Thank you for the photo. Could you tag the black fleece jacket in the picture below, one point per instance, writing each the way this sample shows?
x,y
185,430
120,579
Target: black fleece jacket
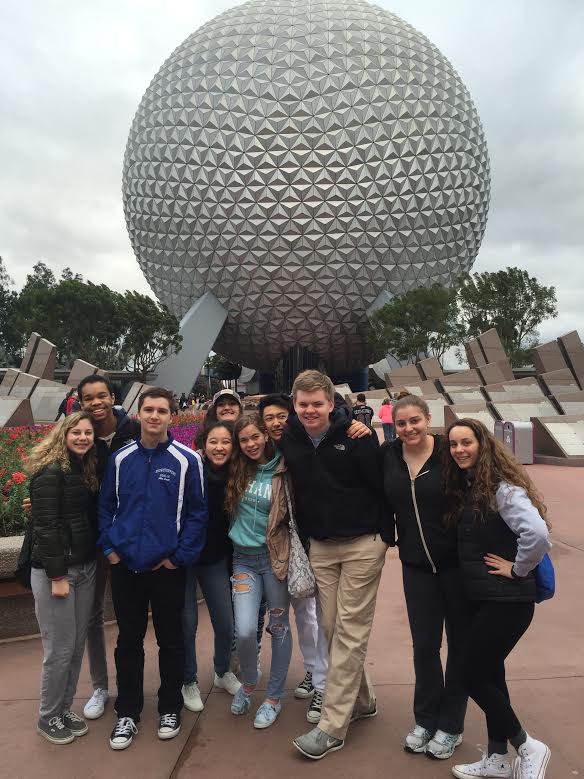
x,y
337,486
218,545
127,430
64,517
424,541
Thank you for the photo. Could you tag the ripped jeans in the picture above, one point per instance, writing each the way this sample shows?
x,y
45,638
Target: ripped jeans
x,y
252,578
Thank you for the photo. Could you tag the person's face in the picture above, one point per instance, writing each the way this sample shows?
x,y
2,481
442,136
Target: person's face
x,y
79,439
97,401
275,418
252,443
411,425
155,416
228,409
219,446
464,447
313,409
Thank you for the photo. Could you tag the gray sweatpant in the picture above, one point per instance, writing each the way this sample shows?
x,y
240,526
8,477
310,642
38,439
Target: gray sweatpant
x,y
63,623
95,634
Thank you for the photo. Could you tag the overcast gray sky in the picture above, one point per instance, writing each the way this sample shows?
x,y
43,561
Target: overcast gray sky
x,y
72,74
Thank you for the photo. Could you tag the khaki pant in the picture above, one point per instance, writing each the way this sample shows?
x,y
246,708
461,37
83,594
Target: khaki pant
x,y
347,574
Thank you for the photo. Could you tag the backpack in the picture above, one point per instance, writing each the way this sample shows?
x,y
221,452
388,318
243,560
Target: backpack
x,y
545,580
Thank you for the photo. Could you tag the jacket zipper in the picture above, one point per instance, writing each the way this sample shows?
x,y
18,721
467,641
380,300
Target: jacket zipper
x,y
147,481
424,544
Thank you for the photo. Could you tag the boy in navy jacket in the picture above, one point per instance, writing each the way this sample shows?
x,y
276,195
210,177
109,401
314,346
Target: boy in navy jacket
x,y
152,521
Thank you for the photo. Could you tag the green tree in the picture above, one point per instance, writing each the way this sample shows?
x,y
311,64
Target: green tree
x,y
11,340
511,301
222,368
420,323
152,334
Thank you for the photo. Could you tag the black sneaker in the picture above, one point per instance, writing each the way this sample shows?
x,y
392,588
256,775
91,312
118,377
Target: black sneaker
x,y
55,731
75,723
315,708
168,725
123,733
305,688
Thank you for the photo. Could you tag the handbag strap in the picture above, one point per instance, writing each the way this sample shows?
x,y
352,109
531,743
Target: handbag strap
x,y
292,521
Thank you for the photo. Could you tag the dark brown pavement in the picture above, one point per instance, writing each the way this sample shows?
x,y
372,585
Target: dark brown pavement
x,y
545,672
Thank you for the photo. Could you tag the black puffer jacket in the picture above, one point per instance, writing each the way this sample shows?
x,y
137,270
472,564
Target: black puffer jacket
x,y
424,540
481,535
64,519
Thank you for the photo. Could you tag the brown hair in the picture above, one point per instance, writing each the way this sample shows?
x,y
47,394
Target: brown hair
x,y
311,381
158,392
408,399
53,449
495,464
241,469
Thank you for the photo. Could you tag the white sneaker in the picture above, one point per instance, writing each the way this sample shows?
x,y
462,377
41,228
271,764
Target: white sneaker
x,y
534,757
442,745
417,739
192,697
95,706
495,766
228,682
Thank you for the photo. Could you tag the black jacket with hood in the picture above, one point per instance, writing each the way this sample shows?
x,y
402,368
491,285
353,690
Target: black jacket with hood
x,y
337,486
127,430
418,504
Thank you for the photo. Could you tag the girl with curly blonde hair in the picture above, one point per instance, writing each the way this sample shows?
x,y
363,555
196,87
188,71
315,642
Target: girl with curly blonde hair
x,y
63,491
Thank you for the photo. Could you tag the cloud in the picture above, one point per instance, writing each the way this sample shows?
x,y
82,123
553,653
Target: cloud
x,y
73,75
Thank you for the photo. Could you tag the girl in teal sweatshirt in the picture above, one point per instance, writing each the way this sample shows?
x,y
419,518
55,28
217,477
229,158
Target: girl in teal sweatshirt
x,y
258,507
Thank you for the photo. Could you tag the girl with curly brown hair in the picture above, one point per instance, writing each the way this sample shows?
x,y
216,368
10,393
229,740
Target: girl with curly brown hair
x,y
502,536
257,504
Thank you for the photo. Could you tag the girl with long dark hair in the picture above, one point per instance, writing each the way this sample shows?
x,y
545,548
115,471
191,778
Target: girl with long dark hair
x,y
503,534
257,505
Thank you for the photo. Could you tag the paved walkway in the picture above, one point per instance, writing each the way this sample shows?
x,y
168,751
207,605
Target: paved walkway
x,y
546,674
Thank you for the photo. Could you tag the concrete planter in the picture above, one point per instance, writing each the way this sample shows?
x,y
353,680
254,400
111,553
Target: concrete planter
x,y
17,617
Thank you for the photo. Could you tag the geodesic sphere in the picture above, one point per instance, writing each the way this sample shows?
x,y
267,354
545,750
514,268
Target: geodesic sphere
x,y
297,158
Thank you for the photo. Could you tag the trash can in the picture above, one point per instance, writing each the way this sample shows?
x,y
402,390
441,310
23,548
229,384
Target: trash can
x,y
498,432
518,436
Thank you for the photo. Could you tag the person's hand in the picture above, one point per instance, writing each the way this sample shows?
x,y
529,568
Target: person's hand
x,y
26,505
60,588
499,566
113,558
358,430
165,564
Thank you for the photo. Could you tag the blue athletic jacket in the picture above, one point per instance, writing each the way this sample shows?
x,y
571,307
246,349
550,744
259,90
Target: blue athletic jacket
x,y
153,505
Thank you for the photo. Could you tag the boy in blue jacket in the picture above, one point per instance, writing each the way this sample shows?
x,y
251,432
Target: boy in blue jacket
x,y
152,521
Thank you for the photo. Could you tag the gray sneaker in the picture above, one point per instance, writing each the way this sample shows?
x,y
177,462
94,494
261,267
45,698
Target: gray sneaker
x,y
316,744
54,731
442,745
417,739
75,723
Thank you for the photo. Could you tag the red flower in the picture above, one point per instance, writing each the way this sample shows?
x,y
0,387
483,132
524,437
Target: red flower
x,y
19,477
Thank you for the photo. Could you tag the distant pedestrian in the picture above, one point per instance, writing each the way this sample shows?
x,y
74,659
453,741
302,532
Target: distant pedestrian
x,y
386,416
362,412
62,410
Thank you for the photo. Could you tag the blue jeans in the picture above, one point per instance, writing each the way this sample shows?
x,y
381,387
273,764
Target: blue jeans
x,y
387,431
252,578
214,581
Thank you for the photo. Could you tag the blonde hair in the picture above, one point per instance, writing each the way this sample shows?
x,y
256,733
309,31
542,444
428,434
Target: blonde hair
x,y
53,449
311,381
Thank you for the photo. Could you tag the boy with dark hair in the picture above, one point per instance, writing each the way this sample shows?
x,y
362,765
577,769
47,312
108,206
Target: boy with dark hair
x,y
337,492
152,519
113,430
361,411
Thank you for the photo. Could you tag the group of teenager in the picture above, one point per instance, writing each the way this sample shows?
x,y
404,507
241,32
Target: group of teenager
x,y
112,493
